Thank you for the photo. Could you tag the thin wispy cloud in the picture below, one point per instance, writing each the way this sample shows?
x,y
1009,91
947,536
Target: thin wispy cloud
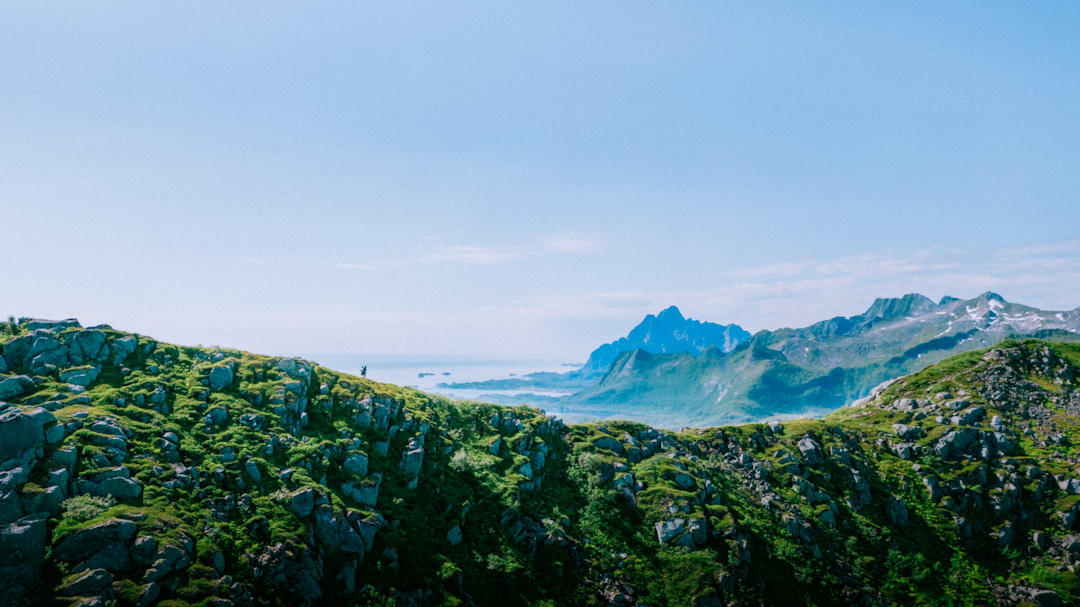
x,y
799,293
486,256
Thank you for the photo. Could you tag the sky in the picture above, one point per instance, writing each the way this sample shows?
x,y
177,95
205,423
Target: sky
x,y
528,179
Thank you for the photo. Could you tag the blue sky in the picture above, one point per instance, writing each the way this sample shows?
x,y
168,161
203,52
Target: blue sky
x,y
531,179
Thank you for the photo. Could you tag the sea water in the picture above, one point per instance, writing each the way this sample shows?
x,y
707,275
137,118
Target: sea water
x,y
427,372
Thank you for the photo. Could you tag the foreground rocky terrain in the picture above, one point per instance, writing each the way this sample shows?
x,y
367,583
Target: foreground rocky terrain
x,y
134,472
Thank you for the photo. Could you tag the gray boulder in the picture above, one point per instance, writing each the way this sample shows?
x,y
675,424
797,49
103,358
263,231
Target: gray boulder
x,y
896,512
46,354
336,533
412,461
87,583
955,442
46,501
88,347
124,347
366,494
83,544
252,469
109,427
168,559
144,549
22,554
15,386
302,502
11,507
55,434
1046,598
969,416
454,535
697,531
606,442
667,530
34,324
19,431
295,368
80,377
811,452
908,433
904,451
220,376
122,488
15,351
216,416
357,464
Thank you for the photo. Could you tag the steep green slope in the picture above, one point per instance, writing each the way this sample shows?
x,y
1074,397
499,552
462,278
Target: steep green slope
x,y
144,473
792,372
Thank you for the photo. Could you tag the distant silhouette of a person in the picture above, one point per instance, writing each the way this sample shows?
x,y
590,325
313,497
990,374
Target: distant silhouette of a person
x,y
363,371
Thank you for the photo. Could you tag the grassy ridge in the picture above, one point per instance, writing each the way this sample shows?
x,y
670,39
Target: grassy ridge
x,y
510,507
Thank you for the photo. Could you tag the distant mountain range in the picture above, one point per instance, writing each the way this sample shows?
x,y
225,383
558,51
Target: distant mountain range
x,y
669,332
794,372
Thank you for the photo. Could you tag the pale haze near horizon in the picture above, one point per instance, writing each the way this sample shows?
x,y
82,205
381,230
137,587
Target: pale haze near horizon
x,y
528,181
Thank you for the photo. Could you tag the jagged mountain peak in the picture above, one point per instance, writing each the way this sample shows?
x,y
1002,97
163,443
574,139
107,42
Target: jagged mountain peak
x,y
909,305
668,332
671,313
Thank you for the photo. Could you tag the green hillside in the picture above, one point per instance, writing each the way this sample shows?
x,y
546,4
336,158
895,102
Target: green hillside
x,y
134,472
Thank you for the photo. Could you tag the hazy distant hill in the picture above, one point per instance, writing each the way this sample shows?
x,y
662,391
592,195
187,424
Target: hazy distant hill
x,y
816,368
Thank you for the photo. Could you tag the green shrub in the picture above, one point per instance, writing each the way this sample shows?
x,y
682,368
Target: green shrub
x,y
471,461
82,508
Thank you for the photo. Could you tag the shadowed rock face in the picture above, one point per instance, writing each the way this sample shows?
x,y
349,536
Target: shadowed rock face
x,y
292,484
22,555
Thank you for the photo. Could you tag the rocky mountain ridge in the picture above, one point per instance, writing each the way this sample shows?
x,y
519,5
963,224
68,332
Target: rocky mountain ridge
x,y
139,473
812,370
